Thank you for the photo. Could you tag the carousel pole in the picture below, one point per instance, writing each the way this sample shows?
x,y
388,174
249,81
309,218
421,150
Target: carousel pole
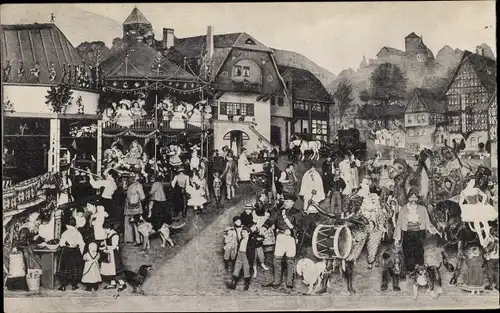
x,y
202,126
156,126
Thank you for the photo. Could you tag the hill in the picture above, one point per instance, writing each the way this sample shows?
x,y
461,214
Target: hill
x,y
294,59
72,21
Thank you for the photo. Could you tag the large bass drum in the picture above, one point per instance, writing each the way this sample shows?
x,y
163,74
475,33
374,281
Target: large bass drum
x,y
332,241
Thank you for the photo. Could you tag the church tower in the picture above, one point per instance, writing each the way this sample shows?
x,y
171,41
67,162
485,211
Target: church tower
x,y
137,28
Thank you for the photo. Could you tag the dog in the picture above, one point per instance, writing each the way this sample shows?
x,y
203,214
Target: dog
x,y
427,276
136,280
391,261
146,230
311,272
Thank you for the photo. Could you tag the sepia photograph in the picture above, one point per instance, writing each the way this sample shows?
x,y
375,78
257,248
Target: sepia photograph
x,y
245,156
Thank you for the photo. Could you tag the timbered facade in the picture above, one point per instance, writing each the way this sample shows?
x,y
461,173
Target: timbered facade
x,y
310,103
492,118
469,93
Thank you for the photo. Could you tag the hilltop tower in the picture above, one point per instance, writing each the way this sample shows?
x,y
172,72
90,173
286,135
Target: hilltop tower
x,y
137,28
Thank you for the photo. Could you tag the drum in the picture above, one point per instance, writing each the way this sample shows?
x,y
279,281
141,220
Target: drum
x,y
332,241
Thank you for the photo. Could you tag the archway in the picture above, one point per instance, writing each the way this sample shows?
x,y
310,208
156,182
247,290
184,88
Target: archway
x,y
236,138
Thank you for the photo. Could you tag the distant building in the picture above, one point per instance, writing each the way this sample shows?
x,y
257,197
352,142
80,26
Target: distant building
x,y
423,113
415,52
311,103
468,96
492,129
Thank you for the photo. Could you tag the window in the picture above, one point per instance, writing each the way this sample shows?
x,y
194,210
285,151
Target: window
x,y
301,126
237,70
409,119
273,101
246,71
480,139
473,142
421,132
423,118
281,101
411,133
233,108
300,105
418,118
319,127
317,107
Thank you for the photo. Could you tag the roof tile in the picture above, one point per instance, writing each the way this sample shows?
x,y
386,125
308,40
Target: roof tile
x,y
305,85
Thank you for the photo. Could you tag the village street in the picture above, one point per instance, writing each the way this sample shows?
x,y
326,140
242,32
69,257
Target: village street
x,y
192,277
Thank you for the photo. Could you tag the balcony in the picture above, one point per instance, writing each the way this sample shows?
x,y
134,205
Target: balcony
x,y
147,124
455,128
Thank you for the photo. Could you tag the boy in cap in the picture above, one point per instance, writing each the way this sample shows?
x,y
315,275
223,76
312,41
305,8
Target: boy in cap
x,y
286,221
246,216
244,257
231,237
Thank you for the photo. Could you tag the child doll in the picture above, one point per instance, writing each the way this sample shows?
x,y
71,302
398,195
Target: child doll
x,y
197,199
91,272
217,184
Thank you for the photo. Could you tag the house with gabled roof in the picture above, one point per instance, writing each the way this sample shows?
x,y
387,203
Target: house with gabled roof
x,y
468,96
422,115
311,104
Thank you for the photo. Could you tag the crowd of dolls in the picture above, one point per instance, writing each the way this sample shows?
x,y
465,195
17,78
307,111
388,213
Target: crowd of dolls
x,y
126,112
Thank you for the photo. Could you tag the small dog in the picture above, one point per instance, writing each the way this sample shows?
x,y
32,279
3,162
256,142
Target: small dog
x,y
136,280
427,276
146,230
311,272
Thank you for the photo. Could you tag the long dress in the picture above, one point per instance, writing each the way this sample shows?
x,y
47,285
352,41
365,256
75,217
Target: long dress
x,y
243,169
114,265
229,172
174,159
124,117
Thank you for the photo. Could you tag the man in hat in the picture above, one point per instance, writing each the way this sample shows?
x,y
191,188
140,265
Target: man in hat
x,y
217,164
273,186
246,216
337,185
232,235
327,169
288,179
286,221
179,184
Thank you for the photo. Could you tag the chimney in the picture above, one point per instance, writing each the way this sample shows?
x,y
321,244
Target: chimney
x,y
479,50
168,38
210,42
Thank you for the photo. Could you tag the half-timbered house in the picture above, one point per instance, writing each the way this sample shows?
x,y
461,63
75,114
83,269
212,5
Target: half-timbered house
x,y
467,98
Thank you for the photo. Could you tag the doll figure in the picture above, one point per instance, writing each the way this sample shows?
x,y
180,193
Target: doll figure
x,y
197,199
178,118
194,162
137,111
195,118
91,272
134,154
175,152
123,116
168,109
189,107
207,111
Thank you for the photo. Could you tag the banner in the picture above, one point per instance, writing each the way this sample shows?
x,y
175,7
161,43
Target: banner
x,y
26,194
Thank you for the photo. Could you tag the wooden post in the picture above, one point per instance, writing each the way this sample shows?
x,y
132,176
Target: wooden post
x,y
55,145
99,148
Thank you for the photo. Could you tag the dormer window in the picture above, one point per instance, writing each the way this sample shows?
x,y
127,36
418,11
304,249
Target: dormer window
x,y
238,71
281,101
249,41
246,71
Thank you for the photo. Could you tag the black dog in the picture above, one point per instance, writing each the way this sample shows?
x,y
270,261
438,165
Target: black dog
x,y
391,262
137,279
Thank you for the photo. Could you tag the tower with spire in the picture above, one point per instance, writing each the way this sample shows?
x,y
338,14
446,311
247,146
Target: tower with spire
x,y
136,28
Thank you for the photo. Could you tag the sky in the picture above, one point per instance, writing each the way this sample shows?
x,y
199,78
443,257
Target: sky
x,y
334,35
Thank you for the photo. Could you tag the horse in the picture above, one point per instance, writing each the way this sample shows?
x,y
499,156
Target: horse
x,y
314,146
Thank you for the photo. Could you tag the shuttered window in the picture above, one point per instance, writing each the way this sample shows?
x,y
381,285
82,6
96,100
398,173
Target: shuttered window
x,y
235,108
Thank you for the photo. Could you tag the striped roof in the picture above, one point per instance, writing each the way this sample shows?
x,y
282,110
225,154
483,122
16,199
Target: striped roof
x,y
138,61
31,43
136,17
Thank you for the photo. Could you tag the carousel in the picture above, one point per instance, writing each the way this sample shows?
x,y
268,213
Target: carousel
x,y
154,111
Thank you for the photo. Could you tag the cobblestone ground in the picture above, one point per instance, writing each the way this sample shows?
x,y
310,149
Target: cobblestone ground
x,y
191,277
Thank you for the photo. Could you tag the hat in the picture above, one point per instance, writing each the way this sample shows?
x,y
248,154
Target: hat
x,y
249,205
288,196
180,169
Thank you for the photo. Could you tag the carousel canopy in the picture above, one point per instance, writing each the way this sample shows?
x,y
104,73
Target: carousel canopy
x,y
140,61
28,44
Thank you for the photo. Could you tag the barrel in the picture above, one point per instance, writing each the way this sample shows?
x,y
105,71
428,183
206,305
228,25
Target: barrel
x,y
332,241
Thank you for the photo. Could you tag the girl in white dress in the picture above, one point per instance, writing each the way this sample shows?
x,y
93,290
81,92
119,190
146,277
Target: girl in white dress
x,y
123,115
91,271
197,193
243,169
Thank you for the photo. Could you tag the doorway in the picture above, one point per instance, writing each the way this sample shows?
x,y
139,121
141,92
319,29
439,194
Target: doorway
x,y
276,136
236,140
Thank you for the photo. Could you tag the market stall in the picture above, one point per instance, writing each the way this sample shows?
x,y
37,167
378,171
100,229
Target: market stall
x,y
152,109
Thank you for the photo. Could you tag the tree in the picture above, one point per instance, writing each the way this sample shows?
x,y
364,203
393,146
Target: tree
x,y
93,52
343,98
388,83
117,44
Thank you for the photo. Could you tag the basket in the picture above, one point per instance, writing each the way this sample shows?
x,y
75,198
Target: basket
x,y
33,279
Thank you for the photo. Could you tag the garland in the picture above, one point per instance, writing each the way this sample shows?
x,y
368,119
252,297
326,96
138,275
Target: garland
x,y
206,134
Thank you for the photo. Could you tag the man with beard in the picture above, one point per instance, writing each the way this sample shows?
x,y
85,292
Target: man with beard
x,y
286,221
